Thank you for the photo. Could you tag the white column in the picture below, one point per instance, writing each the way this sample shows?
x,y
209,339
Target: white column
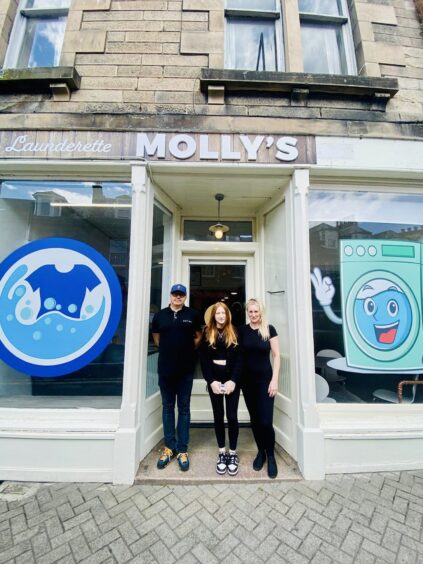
x,y
309,434
129,435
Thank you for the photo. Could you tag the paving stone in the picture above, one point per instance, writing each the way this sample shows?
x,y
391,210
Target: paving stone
x,y
363,519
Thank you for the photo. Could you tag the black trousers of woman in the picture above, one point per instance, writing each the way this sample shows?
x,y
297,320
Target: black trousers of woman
x,y
260,408
219,403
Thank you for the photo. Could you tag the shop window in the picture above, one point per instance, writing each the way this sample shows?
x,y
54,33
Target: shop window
x,y
198,230
160,284
37,34
367,294
326,37
32,211
254,35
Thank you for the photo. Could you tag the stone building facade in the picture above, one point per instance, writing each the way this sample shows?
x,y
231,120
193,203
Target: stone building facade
x,y
147,101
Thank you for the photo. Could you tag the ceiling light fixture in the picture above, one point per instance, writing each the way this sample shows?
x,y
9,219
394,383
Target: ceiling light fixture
x,y
218,229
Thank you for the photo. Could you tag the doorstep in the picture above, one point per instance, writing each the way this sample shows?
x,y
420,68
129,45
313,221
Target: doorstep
x,y
203,456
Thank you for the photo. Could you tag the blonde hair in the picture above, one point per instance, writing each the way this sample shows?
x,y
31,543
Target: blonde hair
x,y
212,332
264,326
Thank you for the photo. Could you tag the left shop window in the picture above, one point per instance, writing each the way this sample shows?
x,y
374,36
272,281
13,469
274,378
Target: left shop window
x,y
366,252
37,35
90,218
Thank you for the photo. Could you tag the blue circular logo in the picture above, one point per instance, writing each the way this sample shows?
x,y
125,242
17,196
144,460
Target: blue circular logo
x,y
60,305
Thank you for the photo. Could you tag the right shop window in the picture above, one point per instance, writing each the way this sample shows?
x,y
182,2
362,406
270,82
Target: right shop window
x,y
366,252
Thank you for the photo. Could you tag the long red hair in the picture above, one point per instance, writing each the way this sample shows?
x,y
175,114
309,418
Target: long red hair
x,y
212,332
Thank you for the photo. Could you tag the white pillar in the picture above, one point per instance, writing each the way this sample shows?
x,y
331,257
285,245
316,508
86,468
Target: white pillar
x,y
129,435
310,438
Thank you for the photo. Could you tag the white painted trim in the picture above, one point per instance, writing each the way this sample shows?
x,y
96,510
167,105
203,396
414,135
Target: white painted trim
x,y
309,434
56,475
129,437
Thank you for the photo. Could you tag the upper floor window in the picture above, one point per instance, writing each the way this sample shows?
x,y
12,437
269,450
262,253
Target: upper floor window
x,y
254,35
326,37
37,35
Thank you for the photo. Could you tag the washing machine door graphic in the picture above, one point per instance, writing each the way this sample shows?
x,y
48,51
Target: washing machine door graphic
x,y
382,305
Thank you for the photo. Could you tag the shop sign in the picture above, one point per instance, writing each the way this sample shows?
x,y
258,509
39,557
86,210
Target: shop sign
x,y
60,305
153,146
225,147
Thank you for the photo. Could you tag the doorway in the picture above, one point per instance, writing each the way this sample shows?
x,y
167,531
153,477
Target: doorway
x,y
209,280
211,283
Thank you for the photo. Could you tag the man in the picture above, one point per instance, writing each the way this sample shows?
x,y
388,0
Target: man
x,y
177,332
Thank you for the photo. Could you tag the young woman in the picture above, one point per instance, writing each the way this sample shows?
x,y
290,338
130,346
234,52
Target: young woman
x,y
260,382
221,365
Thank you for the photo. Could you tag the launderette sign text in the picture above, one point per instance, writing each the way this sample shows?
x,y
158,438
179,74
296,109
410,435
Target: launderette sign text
x,y
159,146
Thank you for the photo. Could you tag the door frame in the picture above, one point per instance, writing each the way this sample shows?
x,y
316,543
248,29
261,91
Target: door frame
x,y
226,253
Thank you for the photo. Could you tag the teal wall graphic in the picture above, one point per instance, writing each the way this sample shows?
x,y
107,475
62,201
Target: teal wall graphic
x,y
381,297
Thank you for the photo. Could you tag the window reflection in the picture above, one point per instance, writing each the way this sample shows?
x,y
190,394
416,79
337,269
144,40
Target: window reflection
x,y
323,50
371,221
32,210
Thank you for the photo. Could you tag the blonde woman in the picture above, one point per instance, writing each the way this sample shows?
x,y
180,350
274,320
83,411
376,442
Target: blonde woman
x,y
260,381
221,365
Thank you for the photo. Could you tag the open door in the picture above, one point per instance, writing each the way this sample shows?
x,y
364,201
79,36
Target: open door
x,y
211,279
275,282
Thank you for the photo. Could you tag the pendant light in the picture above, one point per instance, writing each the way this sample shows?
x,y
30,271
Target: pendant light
x,y
218,229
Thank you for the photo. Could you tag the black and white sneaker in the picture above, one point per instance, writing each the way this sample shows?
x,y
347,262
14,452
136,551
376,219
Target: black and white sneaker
x,y
221,465
233,464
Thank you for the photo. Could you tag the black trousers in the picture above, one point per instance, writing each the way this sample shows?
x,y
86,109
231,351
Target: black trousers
x,y
260,408
219,402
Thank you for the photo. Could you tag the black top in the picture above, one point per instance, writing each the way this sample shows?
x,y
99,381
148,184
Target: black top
x,y
232,355
177,330
256,351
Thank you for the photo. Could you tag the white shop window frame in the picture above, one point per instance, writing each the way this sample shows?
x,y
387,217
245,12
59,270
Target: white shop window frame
x,y
248,14
19,29
59,422
344,22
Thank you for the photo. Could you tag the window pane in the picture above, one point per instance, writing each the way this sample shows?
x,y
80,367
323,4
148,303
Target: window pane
x,y
251,4
34,210
323,50
46,4
327,7
251,45
195,230
160,265
369,244
42,42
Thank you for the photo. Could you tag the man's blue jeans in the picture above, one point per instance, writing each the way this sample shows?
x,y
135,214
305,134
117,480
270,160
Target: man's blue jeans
x,y
172,391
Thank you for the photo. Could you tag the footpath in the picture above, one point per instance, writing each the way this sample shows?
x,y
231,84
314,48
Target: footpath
x,y
360,519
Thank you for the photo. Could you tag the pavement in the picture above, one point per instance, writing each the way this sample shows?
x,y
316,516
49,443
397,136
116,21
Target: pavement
x,y
360,519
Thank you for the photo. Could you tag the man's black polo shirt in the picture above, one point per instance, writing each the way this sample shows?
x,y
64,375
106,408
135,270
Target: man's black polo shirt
x,y
177,355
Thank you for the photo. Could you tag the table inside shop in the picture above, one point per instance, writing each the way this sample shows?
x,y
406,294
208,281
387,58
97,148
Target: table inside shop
x,y
341,365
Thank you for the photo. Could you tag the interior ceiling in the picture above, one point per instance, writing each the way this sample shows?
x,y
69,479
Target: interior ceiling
x,y
245,191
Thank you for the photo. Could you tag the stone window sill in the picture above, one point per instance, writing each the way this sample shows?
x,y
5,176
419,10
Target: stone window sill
x,y
216,82
59,81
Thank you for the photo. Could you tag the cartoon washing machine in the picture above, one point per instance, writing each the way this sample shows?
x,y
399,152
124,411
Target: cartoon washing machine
x,y
381,288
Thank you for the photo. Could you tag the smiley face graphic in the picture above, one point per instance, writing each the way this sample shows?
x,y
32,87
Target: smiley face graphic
x,y
383,314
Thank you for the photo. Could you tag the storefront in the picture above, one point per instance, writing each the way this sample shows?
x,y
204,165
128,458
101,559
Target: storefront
x,y
144,202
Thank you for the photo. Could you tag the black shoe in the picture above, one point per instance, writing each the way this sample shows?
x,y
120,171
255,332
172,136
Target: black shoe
x,y
233,464
259,460
272,467
222,463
